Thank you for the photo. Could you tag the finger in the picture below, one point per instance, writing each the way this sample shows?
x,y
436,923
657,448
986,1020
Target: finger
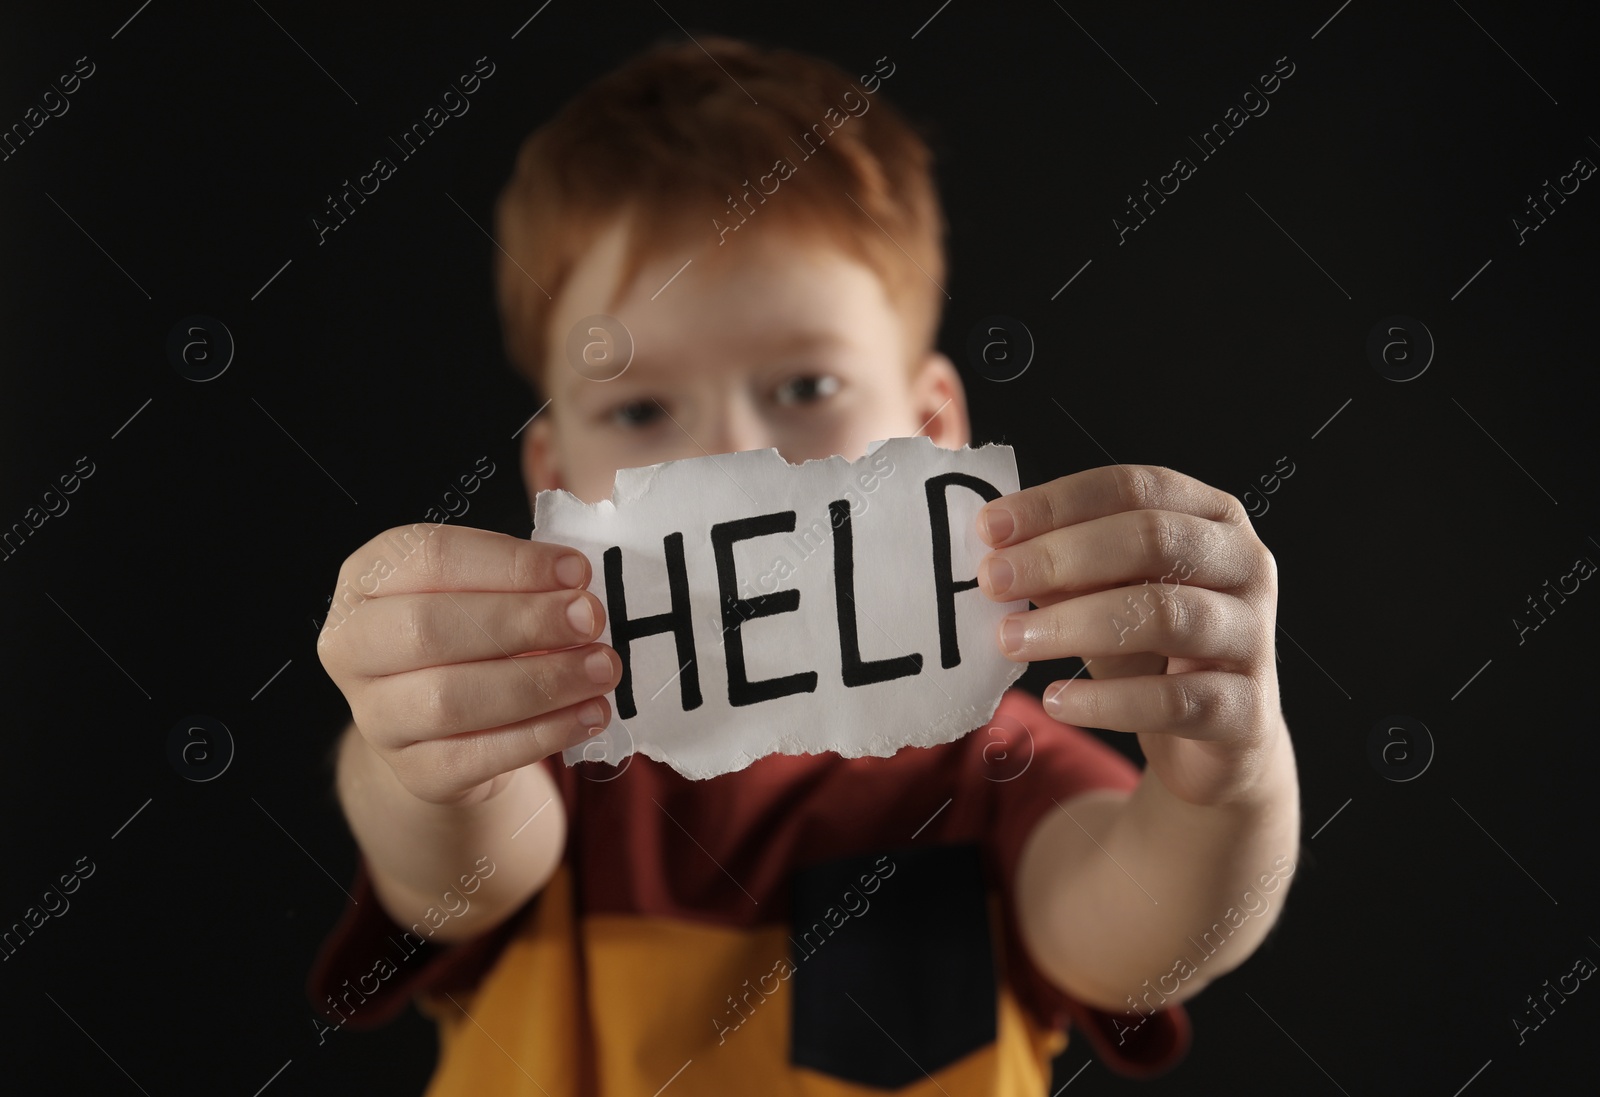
x,y
437,701
1154,546
1191,623
429,557
412,631
436,769
1201,704
1099,492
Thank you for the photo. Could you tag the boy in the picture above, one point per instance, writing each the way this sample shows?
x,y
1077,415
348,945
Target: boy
x,y
929,922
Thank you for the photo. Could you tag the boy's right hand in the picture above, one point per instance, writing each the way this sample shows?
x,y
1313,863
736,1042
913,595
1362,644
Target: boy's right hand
x,y
450,662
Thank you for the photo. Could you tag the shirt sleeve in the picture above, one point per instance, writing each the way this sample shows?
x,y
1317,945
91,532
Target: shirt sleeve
x,y
1043,761
369,966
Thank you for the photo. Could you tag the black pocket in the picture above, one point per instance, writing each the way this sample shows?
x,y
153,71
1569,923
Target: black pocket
x,y
893,982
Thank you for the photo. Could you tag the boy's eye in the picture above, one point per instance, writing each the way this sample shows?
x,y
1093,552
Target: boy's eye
x,y
635,413
807,389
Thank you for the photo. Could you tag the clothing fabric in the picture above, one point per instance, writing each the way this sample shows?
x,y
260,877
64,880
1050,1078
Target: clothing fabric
x,y
810,925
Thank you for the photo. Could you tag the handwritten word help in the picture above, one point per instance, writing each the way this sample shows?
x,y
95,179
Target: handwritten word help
x,y
880,640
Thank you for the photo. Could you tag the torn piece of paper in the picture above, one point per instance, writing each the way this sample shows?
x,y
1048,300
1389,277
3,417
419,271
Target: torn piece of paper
x,y
763,607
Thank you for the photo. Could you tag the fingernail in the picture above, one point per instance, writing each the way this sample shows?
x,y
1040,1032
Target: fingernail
x,y
1052,696
1000,574
997,524
581,614
589,715
1011,633
570,569
598,667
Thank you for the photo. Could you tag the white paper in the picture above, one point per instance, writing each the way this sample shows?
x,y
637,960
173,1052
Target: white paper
x,y
884,516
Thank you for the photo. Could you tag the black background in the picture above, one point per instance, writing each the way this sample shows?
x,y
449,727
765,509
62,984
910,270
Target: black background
x,y
190,568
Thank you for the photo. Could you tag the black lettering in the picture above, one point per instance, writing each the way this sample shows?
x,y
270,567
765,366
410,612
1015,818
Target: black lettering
x,y
678,620
944,584
736,610
856,672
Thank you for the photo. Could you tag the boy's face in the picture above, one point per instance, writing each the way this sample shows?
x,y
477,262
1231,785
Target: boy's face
x,y
781,345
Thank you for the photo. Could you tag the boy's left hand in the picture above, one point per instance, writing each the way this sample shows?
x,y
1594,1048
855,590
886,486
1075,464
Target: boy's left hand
x,y
1160,584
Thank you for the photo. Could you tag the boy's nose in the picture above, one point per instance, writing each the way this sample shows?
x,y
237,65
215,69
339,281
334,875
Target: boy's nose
x,y
735,425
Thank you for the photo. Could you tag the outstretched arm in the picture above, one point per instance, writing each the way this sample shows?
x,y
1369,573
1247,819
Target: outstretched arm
x,y
1159,583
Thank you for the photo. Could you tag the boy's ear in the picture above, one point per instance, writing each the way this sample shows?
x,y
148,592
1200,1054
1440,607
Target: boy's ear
x,y
539,471
940,400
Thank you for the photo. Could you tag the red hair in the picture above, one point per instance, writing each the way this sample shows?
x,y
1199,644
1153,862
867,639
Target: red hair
x,y
672,142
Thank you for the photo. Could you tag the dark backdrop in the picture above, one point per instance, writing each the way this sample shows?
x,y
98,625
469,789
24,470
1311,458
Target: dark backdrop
x,y
1227,334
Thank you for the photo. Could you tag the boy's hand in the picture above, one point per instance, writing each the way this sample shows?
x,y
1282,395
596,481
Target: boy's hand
x,y
448,658
1159,583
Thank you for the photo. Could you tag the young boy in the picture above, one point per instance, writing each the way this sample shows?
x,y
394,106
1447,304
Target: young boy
x,y
719,248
